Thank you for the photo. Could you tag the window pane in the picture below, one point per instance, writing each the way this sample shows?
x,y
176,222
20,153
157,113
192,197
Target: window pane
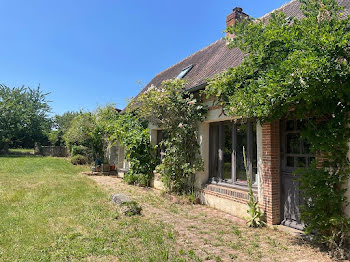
x,y
228,151
214,151
290,161
241,141
306,147
290,125
293,143
301,161
255,156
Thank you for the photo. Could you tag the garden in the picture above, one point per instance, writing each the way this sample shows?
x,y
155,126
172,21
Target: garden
x,y
297,69
51,212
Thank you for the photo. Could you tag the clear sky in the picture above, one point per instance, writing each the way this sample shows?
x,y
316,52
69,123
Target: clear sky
x,y
92,52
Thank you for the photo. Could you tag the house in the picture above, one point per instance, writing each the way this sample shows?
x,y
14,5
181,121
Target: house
x,y
274,150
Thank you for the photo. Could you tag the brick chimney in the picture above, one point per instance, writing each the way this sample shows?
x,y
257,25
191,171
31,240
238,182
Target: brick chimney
x,y
235,17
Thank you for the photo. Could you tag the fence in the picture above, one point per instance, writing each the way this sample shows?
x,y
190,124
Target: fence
x,y
56,151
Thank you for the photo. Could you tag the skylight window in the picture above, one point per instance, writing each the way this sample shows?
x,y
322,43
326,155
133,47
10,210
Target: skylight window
x,y
184,72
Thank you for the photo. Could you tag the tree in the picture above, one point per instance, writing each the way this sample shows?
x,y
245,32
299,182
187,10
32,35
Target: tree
x,y
63,122
23,116
300,69
60,125
90,130
79,133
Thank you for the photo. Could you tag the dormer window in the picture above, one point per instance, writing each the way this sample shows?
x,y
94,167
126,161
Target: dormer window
x,y
184,72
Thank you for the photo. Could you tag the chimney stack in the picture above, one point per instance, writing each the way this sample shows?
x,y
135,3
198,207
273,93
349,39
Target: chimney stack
x,y
235,17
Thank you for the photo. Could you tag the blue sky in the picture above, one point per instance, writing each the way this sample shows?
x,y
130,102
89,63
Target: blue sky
x,y
88,53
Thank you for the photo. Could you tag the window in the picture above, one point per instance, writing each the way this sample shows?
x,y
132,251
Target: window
x,y
296,150
184,72
227,140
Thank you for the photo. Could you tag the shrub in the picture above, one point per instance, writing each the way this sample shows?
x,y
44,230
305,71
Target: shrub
x,y
80,150
137,179
133,134
79,160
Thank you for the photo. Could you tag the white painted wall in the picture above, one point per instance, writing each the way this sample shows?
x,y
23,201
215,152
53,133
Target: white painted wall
x,y
214,115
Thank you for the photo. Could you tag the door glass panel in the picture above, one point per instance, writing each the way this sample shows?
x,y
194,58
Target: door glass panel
x,y
290,161
301,162
306,147
228,151
293,143
241,141
290,125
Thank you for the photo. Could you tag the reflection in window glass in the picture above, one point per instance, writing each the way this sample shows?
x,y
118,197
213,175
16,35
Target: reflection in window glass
x,y
290,125
293,143
290,161
301,161
241,141
255,156
306,147
215,150
228,151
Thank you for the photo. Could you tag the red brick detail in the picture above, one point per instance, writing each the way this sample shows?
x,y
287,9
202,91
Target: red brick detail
x,y
236,195
271,172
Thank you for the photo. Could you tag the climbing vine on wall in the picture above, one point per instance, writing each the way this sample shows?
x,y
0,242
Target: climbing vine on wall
x,y
299,68
178,113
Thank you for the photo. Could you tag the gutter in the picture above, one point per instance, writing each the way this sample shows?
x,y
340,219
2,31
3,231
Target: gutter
x,y
197,88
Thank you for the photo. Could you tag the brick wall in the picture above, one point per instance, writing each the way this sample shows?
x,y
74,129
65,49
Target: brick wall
x,y
271,172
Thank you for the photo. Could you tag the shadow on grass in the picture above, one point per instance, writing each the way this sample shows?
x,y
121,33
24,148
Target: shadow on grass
x,y
338,255
17,154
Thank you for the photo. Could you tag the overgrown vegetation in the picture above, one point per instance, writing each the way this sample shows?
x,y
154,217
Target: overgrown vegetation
x,y
60,125
133,135
299,68
87,133
177,113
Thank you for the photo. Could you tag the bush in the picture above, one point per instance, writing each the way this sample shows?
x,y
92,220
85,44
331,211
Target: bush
x,y
80,150
79,160
137,179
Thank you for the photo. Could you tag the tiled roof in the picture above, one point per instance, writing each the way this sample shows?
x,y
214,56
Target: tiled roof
x,y
217,58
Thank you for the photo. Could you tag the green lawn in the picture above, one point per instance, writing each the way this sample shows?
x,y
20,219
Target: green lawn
x,y
48,212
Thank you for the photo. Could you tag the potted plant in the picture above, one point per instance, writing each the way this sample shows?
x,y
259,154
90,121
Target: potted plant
x,y
105,166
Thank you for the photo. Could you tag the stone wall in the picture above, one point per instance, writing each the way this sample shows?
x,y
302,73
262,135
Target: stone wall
x,y
55,151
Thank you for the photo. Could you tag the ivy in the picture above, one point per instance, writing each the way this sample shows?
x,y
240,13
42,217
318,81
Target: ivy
x,y
178,113
299,68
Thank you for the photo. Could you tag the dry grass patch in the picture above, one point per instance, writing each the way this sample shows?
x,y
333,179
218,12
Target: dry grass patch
x,y
205,234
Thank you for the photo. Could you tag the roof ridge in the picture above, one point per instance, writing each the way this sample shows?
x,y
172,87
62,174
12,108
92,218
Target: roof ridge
x,y
203,49
277,9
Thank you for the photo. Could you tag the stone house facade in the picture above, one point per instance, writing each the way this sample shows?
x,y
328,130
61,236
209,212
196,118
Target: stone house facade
x,y
274,149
